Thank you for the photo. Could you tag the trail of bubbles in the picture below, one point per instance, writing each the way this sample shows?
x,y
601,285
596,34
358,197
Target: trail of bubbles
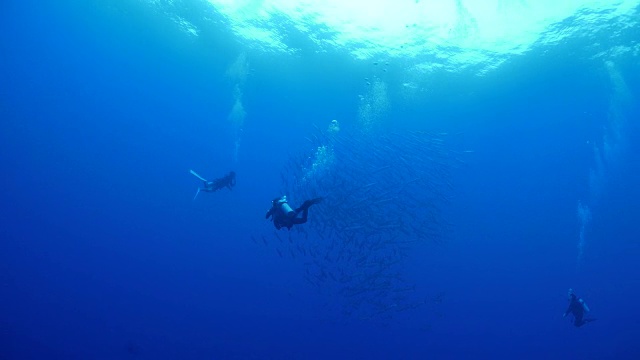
x,y
374,105
609,156
237,72
584,215
236,118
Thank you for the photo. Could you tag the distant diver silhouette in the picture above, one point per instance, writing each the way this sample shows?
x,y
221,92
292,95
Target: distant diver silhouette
x,y
228,181
578,308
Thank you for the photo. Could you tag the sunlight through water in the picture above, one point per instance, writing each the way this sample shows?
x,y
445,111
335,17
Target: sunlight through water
x,y
459,33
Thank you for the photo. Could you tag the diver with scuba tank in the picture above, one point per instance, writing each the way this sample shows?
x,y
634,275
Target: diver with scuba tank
x,y
284,216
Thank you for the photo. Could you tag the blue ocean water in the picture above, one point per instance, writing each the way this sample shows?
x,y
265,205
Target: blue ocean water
x,y
521,159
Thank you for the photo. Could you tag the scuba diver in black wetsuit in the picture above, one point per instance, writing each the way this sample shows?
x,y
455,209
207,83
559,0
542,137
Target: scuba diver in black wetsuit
x,y
228,181
577,308
283,216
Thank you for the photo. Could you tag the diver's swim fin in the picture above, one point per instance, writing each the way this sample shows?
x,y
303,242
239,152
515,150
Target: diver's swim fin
x,y
307,204
197,192
198,176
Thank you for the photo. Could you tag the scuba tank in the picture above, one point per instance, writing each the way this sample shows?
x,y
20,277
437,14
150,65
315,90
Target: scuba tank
x,y
286,209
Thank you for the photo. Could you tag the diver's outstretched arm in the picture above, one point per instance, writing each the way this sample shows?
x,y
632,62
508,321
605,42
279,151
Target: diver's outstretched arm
x,y
197,192
269,213
198,176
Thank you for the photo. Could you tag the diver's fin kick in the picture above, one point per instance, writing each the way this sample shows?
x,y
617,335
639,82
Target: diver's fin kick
x,y
307,204
197,192
198,176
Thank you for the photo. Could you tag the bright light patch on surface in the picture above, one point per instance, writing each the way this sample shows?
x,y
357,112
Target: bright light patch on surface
x,y
383,25
456,33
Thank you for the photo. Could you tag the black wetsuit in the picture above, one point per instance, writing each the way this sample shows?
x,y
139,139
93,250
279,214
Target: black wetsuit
x,y
576,308
227,181
282,219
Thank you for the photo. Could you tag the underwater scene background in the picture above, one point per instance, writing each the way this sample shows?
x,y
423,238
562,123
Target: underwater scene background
x,y
475,160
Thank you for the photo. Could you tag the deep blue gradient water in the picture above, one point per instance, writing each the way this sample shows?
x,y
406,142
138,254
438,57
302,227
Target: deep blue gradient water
x,y
105,106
